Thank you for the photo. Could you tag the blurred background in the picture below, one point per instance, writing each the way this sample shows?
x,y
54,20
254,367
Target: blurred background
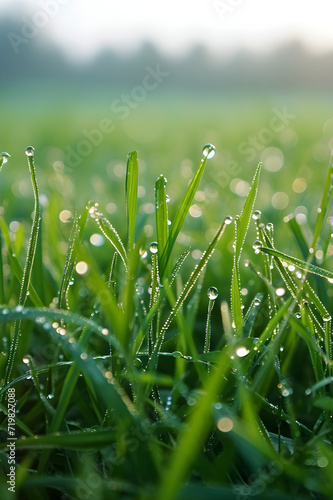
x,y
87,82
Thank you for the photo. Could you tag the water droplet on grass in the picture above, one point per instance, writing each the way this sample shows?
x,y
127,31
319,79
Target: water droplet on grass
x,y
256,215
5,156
298,315
256,246
208,151
153,248
228,219
177,354
327,317
212,293
280,291
242,351
30,151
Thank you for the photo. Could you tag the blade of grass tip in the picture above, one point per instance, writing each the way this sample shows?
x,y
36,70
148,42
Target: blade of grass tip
x,y
162,228
208,152
323,208
242,225
109,231
131,191
28,264
186,290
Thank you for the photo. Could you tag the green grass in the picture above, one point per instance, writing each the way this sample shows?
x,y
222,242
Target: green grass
x,y
134,378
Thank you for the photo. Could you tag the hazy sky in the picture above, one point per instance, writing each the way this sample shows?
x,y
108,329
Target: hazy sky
x,y
82,27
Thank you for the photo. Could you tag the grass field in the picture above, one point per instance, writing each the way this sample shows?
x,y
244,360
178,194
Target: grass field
x,y
167,339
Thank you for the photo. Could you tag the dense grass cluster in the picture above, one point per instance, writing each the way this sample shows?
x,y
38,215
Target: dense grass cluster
x,y
138,382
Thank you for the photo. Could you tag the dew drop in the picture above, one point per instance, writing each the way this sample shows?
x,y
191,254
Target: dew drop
x,y
242,351
143,253
269,226
208,151
177,354
256,302
308,391
30,151
327,318
228,220
256,246
246,263
50,396
256,215
286,391
280,291
298,315
153,247
212,293
5,156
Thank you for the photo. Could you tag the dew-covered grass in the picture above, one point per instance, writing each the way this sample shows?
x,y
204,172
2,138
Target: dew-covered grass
x,y
144,367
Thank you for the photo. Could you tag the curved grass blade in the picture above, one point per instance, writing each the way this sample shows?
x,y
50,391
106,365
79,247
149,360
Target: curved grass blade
x,y
131,191
28,264
242,225
162,228
182,212
108,393
109,232
305,266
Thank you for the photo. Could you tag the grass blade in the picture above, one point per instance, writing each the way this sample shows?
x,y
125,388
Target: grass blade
x,y
162,228
28,264
74,241
242,225
131,191
109,232
323,207
305,266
